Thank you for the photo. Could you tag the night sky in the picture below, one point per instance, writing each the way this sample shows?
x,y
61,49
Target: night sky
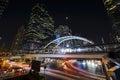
x,y
85,17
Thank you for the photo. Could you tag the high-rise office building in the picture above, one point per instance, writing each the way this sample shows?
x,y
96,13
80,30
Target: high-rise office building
x,y
113,9
3,5
39,29
63,30
17,41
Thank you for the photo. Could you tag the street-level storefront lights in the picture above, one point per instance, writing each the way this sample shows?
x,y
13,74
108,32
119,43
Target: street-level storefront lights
x,y
83,63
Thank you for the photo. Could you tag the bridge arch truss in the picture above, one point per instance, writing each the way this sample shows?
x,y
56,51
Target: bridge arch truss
x,y
68,42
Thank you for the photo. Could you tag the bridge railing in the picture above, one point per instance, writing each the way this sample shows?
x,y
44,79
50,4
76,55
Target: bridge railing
x,y
61,51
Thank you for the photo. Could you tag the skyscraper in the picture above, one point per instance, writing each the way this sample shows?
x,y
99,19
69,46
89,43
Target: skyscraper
x,y
113,9
3,5
39,28
63,30
17,41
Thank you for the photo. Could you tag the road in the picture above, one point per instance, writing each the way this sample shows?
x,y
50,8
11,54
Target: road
x,y
69,72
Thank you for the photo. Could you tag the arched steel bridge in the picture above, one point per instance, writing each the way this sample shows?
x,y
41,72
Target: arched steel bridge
x,y
71,44
59,41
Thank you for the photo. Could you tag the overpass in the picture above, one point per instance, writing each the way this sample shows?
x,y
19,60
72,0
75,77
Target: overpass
x,y
71,56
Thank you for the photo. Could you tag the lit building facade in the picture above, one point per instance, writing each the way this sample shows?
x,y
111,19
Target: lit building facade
x,y
17,41
113,9
39,29
62,30
3,5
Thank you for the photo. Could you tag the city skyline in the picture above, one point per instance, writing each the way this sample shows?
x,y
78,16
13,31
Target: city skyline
x,y
60,39
87,18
